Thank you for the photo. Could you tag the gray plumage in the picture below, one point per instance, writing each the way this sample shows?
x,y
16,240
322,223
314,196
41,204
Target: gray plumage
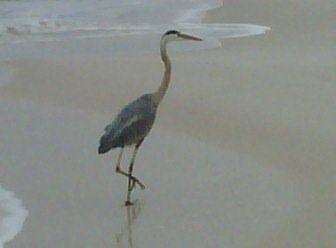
x,y
136,119
131,125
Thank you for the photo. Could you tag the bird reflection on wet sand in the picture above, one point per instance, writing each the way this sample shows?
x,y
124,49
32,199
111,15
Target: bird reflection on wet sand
x,y
133,212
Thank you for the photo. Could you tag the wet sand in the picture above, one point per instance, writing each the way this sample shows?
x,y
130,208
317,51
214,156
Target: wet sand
x,y
242,153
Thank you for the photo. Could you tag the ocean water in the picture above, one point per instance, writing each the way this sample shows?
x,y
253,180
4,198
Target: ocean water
x,y
12,216
43,21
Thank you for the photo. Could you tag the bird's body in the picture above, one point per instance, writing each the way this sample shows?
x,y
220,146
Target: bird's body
x,y
136,119
131,125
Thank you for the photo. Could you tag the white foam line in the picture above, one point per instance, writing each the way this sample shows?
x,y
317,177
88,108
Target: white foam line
x,y
12,217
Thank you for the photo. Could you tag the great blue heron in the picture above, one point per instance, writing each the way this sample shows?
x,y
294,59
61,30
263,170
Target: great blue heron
x,y
136,119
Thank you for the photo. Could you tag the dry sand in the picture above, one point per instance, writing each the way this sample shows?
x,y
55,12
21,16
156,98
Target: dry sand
x,y
242,154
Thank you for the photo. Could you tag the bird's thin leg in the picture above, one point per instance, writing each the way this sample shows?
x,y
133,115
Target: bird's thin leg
x,y
119,159
130,170
119,171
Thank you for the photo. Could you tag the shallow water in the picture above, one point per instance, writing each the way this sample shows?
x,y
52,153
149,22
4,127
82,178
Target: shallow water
x,y
35,28
36,20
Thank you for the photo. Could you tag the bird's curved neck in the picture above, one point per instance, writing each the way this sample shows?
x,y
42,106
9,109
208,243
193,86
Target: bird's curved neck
x,y
159,94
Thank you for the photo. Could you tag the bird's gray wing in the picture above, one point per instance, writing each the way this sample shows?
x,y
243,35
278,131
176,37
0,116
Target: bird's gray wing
x,y
131,124
134,129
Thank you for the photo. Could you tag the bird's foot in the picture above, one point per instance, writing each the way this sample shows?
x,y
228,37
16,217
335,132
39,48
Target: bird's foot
x,y
136,181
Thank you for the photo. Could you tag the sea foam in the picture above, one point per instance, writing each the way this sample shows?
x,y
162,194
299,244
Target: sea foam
x,y
12,216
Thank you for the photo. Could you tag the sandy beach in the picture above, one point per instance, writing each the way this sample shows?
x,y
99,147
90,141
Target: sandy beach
x,y
242,153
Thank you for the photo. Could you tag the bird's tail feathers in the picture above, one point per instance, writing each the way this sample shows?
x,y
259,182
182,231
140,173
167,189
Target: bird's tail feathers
x,y
105,144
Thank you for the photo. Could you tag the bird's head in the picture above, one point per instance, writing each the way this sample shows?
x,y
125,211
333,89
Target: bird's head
x,y
173,35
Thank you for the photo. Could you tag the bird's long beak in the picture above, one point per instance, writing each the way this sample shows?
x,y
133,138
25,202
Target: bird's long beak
x,y
189,37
